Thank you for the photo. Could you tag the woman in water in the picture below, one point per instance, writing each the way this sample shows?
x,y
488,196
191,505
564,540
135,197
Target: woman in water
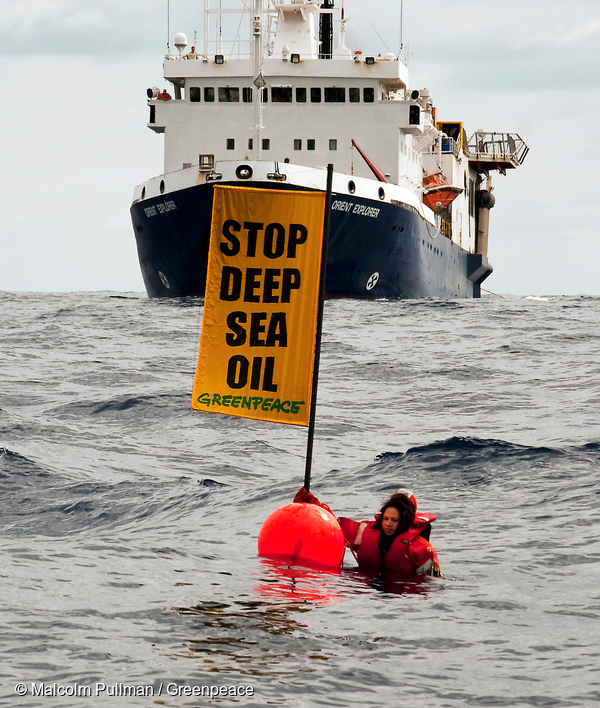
x,y
397,541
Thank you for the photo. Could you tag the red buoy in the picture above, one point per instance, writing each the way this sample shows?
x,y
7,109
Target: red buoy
x,y
302,534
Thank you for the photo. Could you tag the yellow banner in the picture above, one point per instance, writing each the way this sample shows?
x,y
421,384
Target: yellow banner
x,y
260,307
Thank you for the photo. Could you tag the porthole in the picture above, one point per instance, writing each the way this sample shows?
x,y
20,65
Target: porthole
x,y
243,172
351,187
143,192
381,193
162,186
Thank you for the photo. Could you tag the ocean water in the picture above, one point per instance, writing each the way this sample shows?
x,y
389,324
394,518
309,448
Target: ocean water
x,y
128,523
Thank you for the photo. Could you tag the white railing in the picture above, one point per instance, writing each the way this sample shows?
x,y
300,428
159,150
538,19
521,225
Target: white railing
x,y
497,146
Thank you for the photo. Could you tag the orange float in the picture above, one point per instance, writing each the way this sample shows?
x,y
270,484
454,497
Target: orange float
x,y
302,534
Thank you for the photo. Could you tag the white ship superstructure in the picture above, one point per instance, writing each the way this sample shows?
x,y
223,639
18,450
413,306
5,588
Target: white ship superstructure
x,y
285,89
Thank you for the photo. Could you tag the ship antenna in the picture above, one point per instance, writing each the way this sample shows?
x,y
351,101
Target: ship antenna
x,y
168,25
401,24
220,27
259,80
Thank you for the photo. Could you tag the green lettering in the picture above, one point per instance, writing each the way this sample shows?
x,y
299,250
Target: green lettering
x,y
246,403
276,405
285,403
204,399
235,401
256,401
266,404
216,399
295,406
226,401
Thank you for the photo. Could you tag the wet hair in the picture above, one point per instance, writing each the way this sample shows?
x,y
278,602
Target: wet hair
x,y
405,508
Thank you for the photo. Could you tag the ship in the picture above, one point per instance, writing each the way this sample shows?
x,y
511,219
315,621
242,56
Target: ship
x,y
272,97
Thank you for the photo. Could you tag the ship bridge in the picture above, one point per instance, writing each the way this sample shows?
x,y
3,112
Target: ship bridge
x,y
287,88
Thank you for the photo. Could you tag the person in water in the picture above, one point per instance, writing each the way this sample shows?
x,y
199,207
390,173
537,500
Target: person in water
x,y
397,541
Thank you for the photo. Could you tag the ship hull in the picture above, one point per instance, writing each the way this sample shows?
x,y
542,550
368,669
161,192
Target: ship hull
x,y
376,249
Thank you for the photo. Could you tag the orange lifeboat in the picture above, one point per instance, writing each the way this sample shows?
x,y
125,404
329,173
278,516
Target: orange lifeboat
x,y
438,191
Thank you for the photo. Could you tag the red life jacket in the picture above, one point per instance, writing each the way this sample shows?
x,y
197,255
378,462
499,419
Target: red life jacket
x,y
409,552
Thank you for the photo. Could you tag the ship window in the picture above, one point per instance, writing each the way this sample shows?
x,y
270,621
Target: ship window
x,y
281,94
369,95
333,144
250,143
264,97
354,95
247,94
229,94
414,115
315,95
162,186
231,143
335,94
266,144
297,144
152,114
351,187
194,94
381,193
301,95
310,144
209,94
471,194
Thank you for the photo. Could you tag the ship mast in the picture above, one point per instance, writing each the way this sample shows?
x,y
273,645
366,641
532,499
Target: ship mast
x,y
326,30
259,80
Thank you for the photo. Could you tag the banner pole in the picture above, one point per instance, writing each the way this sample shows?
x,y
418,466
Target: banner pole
x,y
319,331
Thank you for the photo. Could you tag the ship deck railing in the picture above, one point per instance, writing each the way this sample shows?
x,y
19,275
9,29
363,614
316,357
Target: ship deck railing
x,y
508,148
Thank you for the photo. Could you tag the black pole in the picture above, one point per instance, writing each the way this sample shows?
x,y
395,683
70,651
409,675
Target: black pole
x,y
318,333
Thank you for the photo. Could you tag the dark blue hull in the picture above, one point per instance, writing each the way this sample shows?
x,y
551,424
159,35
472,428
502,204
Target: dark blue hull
x,y
396,254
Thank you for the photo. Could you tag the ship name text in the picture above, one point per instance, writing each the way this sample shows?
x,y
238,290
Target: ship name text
x,y
161,208
360,209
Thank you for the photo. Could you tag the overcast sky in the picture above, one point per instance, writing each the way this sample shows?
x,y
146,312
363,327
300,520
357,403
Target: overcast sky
x,y
74,141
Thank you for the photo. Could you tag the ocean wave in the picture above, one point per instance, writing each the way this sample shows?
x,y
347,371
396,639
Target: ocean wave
x,y
60,507
13,465
115,407
470,448
474,461
434,303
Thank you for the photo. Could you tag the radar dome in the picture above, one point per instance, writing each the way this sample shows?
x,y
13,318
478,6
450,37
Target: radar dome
x,y
180,41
